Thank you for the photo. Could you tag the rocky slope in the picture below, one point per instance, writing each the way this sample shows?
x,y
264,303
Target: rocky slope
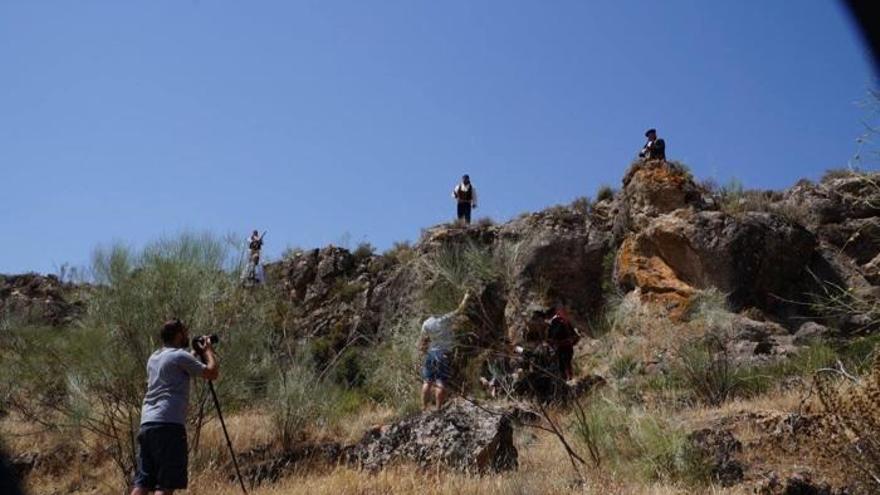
x,y
37,299
662,239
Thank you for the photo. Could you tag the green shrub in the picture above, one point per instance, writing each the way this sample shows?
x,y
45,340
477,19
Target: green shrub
x,y
347,291
363,251
623,366
484,222
393,369
299,401
604,193
68,376
840,173
581,205
635,440
400,253
453,269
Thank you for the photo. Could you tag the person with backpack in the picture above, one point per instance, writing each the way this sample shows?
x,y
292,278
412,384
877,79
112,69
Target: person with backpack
x,y
562,337
655,148
466,197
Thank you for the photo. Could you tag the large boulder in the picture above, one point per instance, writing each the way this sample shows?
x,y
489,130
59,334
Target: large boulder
x,y
559,260
549,257
836,199
719,450
461,436
757,259
651,189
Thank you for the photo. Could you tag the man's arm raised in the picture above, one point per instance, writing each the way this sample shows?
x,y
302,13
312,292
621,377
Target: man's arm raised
x,y
212,367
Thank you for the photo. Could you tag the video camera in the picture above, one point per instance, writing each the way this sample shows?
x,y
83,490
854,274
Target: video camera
x,y
198,343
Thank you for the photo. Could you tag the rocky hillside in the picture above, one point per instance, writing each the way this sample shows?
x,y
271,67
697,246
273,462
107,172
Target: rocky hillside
x,y
37,299
663,269
662,238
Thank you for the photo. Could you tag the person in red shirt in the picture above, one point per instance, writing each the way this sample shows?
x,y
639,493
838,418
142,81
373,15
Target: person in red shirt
x,y
562,336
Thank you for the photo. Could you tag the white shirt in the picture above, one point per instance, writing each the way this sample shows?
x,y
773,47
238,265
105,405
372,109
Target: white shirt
x,y
462,188
438,329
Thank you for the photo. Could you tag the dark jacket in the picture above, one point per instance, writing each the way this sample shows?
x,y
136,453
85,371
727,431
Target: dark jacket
x,y
655,150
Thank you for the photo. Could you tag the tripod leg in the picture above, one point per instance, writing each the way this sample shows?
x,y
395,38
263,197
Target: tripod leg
x,y
226,434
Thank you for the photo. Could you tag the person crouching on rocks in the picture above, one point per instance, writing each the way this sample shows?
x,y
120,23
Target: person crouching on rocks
x,y
437,341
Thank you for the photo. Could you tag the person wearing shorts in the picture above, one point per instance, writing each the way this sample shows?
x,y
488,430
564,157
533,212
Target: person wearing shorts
x,y
437,341
162,449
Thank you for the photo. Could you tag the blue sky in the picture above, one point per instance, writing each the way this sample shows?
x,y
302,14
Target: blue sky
x,y
347,121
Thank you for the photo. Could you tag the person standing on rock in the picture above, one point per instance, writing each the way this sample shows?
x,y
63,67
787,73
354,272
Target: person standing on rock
x,y
466,197
655,148
437,341
255,246
162,449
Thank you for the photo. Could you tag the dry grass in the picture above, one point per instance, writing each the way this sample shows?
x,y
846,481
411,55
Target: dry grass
x,y
544,468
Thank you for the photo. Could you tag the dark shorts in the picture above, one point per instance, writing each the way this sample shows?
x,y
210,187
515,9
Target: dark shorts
x,y
464,212
436,368
162,457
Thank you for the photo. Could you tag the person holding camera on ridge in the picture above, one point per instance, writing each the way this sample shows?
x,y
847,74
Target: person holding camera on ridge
x,y
162,447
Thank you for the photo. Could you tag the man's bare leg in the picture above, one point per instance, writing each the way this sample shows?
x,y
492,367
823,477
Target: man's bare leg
x,y
439,394
138,490
426,396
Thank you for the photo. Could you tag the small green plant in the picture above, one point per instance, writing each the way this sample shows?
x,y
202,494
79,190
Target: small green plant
x,y
484,222
363,251
623,366
708,370
347,291
840,173
393,368
581,205
300,400
604,193
452,270
638,441
292,252
401,253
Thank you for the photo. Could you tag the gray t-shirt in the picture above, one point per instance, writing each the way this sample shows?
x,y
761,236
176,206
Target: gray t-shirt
x,y
168,373
438,329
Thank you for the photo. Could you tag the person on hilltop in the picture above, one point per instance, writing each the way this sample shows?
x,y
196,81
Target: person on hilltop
x,y
162,447
437,342
655,148
255,246
466,197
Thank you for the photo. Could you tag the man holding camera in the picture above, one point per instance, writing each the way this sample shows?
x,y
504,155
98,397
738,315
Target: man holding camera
x,y
162,448
655,148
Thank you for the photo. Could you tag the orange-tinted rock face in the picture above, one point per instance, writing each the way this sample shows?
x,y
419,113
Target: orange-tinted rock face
x,y
640,266
651,189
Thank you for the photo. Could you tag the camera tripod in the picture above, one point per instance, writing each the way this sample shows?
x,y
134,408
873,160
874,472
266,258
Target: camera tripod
x,y
225,432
